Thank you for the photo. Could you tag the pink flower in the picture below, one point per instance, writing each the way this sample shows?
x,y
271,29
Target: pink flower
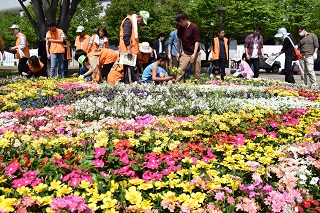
x,y
230,200
165,204
219,196
98,163
11,169
273,124
99,152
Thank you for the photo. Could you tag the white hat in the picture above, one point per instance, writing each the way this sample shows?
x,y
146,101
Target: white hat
x,y
282,32
14,26
145,47
80,29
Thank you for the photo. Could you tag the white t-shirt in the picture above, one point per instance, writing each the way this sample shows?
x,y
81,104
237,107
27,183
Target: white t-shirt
x,y
255,47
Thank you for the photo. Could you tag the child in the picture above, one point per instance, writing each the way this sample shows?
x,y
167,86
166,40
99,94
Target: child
x,y
97,63
34,67
244,70
155,72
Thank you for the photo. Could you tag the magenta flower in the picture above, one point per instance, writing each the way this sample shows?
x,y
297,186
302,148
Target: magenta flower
x,y
98,163
273,124
11,169
99,152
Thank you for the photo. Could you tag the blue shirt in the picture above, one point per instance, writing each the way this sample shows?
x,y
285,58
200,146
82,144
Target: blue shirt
x,y
147,72
172,42
222,53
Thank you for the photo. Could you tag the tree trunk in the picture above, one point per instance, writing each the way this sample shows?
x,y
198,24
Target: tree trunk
x,y
46,12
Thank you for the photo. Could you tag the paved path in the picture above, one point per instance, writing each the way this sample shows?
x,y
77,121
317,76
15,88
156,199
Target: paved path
x,y
263,73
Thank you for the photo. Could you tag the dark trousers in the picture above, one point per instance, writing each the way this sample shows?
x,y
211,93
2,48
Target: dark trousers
x,y
288,69
106,69
255,63
222,66
22,64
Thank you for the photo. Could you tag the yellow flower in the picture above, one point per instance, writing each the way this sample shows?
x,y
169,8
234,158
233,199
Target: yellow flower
x,y
198,197
108,204
113,186
145,186
24,190
6,204
64,190
84,184
39,188
157,150
54,185
133,196
95,198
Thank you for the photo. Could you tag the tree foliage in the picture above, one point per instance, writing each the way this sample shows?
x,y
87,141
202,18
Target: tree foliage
x,y
6,20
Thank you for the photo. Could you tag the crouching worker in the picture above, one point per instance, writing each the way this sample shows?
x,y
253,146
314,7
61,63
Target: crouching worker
x,y
97,64
155,72
244,70
34,67
116,74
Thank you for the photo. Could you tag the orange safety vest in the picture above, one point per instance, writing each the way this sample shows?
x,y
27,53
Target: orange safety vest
x,y
115,74
143,58
26,49
134,42
55,47
67,49
216,48
106,56
84,44
35,69
95,46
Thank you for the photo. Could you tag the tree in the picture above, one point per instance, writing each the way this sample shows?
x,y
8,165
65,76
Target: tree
x,y
6,20
46,10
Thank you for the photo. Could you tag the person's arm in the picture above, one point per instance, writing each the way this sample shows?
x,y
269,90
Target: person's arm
x,y
316,47
48,47
178,49
170,41
60,40
246,44
127,31
262,50
155,78
196,35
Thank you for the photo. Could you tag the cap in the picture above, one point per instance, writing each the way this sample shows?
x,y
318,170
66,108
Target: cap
x,y
282,32
145,47
145,16
80,29
81,59
14,26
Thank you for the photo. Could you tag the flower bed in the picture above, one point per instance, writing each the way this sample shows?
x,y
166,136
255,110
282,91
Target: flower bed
x,y
222,147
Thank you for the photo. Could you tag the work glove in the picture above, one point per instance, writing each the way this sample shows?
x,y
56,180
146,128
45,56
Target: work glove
x,y
81,76
315,56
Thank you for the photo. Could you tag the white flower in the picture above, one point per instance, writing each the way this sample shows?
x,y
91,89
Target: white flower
x,y
314,181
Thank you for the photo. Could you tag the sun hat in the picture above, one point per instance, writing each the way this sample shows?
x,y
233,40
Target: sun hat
x,y
282,32
81,59
80,29
145,16
14,26
145,47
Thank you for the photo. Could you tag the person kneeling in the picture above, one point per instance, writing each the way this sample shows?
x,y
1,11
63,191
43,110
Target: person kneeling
x,y
85,69
155,72
244,70
34,67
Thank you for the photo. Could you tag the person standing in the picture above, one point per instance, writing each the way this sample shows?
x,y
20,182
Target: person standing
x,y
189,36
288,49
129,40
172,48
3,56
308,46
220,50
254,49
55,49
158,45
82,40
99,40
22,47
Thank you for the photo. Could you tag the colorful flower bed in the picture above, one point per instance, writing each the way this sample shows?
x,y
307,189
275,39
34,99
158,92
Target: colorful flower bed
x,y
233,146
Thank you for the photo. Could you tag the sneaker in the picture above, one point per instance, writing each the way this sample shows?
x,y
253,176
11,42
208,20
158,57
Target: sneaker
x,y
314,86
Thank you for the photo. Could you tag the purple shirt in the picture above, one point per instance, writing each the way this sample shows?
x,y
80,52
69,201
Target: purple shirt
x,y
189,36
249,43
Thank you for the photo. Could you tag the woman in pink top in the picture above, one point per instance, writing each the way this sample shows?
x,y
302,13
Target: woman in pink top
x,y
244,70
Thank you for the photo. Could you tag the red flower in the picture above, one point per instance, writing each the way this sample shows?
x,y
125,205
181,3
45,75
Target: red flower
x,y
306,204
300,209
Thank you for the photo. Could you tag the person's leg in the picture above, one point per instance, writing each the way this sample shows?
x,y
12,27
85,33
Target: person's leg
x,y
255,62
184,62
65,69
303,71
106,69
60,57
288,71
222,66
310,70
53,63
175,62
22,64
196,67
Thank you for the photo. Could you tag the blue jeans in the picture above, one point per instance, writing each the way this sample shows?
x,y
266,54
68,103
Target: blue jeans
x,y
83,70
53,59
